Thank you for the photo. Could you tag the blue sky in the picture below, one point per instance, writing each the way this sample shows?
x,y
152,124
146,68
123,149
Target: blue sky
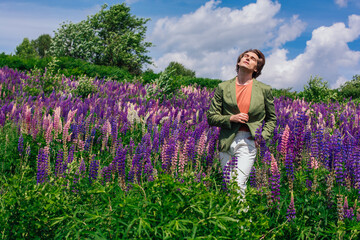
x,y
300,39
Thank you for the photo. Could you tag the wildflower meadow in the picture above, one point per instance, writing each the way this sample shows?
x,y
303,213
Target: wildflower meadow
x,y
101,159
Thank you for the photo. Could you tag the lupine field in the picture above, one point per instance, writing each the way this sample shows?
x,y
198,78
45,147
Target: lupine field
x,y
123,164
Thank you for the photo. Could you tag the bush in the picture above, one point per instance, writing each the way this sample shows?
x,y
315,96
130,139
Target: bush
x,y
67,66
85,87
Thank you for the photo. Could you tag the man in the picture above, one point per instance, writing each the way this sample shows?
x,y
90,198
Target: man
x,y
239,107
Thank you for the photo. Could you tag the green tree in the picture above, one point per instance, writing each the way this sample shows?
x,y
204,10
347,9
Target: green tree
x,y
25,49
123,37
77,40
180,70
318,90
351,88
111,37
42,44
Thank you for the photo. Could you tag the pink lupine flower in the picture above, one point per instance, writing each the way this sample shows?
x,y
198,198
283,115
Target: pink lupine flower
x,y
201,144
284,140
314,163
57,121
48,135
174,159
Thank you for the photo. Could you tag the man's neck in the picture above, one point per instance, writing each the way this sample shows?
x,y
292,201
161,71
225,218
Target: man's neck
x,y
243,77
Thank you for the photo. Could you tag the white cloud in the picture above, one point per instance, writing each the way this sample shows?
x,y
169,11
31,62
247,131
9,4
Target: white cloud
x,y
20,20
289,32
327,55
209,40
341,3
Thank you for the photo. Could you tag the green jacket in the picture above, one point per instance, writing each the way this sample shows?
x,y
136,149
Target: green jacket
x,y
224,104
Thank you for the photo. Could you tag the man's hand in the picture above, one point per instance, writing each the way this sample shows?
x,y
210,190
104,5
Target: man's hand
x,y
240,118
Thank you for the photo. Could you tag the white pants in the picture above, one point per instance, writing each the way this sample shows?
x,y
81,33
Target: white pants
x,y
238,161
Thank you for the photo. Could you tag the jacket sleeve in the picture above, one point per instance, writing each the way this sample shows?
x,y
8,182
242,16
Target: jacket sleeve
x,y
214,114
270,116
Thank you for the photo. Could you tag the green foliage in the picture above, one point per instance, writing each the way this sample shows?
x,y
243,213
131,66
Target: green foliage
x,y
42,44
180,70
149,76
317,90
202,82
47,81
284,92
164,87
85,87
25,49
68,66
351,89
111,37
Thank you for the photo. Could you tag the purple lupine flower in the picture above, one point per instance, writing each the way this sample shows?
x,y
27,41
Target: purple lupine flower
x,y
93,170
120,160
274,181
71,154
106,173
289,164
167,154
291,212
348,212
59,163
267,157
155,143
82,167
252,177
338,162
42,166
21,145
165,130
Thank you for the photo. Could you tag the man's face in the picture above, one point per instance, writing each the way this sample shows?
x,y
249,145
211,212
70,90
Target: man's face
x,y
249,61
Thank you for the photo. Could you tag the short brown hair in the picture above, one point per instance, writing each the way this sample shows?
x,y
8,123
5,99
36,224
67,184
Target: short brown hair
x,y
260,62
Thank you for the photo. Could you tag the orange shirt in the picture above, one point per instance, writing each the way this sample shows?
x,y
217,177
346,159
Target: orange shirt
x,y
243,98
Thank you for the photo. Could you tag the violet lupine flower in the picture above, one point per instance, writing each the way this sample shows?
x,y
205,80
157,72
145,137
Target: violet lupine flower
x,y
59,163
267,157
120,160
291,211
289,165
93,170
348,212
21,145
82,168
42,166
190,149
165,130
338,162
252,177
71,154
167,154
106,173
210,152
155,137
274,181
